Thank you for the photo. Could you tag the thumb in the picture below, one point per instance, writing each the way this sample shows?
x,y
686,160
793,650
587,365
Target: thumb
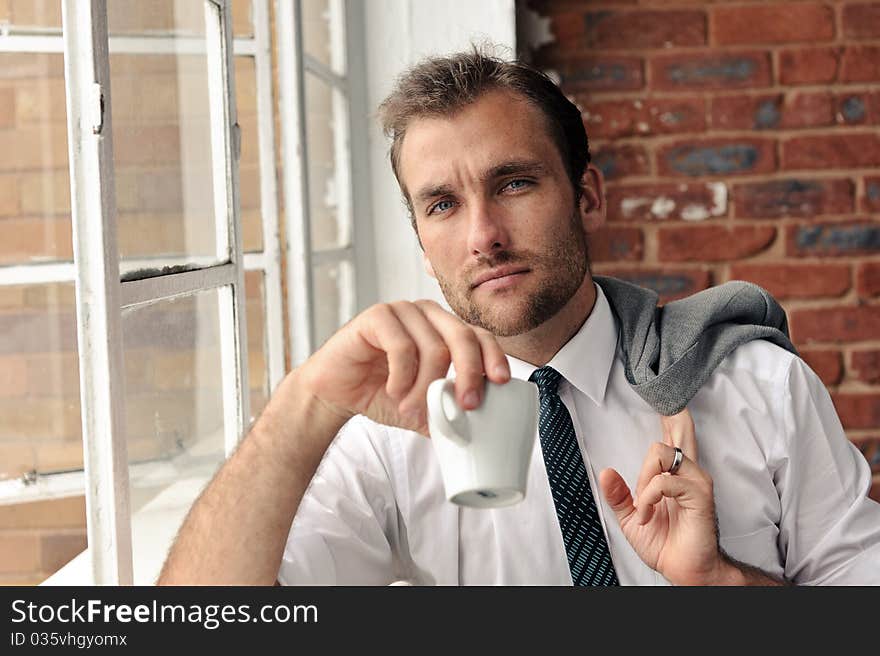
x,y
616,493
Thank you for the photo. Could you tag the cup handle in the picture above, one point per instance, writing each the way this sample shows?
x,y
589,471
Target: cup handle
x,y
446,412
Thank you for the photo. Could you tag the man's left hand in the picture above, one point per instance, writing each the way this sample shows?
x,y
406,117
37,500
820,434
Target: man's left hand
x,y
671,522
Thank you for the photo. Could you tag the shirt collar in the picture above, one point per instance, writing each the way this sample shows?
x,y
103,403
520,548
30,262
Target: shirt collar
x,y
585,360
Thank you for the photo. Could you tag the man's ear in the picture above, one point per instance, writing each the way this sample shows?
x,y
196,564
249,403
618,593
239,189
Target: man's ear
x,y
429,268
592,203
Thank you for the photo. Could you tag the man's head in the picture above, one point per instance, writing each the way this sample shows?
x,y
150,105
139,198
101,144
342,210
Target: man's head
x,y
492,161
442,86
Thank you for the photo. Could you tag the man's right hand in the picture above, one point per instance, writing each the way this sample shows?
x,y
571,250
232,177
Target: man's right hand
x,y
381,363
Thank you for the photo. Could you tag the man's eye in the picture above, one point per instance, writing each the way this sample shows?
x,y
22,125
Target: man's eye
x,y
442,206
517,184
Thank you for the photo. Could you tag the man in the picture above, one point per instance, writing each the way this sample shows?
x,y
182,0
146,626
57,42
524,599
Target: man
x,y
493,164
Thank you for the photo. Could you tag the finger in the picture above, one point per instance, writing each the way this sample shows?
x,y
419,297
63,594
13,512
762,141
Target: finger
x,y
433,354
690,493
658,460
495,361
383,331
616,493
466,352
678,430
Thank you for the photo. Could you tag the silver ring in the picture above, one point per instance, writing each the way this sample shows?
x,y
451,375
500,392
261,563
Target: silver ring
x,y
676,461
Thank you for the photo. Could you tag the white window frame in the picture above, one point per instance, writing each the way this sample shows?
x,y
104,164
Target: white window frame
x,y
111,534
36,486
351,159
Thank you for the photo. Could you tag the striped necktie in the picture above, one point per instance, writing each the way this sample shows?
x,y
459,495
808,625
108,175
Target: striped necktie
x,y
588,556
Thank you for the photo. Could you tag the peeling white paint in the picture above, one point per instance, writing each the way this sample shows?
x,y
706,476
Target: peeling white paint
x,y
637,104
662,207
535,27
629,205
695,213
642,126
719,198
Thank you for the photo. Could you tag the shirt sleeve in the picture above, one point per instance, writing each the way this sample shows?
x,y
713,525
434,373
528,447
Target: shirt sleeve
x,y
829,528
344,531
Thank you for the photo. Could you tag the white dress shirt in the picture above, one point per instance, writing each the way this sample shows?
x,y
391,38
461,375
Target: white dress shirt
x,y
790,489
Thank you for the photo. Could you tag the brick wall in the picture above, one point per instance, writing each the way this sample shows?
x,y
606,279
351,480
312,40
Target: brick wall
x,y
739,140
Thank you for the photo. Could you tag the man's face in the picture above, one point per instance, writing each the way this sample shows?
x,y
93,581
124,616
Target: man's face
x,y
497,216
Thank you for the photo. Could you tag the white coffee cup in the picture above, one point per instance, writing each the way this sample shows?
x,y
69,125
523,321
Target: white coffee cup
x,y
484,453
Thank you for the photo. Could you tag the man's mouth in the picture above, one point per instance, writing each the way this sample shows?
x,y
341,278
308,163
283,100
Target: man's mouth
x,y
499,277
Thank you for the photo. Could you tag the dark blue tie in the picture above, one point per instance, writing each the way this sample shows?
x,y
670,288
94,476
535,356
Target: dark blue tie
x,y
588,557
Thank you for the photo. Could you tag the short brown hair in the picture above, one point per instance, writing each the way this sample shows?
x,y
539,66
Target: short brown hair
x,y
440,86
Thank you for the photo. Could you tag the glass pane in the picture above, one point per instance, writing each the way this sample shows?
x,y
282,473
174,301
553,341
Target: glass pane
x,y
39,380
249,165
256,330
333,291
162,152
34,180
243,18
27,14
173,398
325,112
165,17
323,37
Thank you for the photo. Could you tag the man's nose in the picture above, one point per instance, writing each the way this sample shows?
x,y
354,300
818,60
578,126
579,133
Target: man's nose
x,y
487,229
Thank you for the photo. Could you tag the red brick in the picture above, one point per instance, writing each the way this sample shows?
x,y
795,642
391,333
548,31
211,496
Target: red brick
x,y
792,110
833,239
644,29
713,243
783,23
616,244
832,151
828,365
858,411
866,366
835,324
874,492
796,280
871,199
862,21
689,202
868,279
670,284
710,71
627,118
858,108
727,156
809,66
619,161
58,549
600,73
861,64
793,197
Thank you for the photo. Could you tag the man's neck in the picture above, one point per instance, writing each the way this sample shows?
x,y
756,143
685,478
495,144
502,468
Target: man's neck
x,y
539,345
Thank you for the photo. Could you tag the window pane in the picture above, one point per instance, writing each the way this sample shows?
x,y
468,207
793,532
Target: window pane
x,y
25,14
34,180
173,399
322,33
249,165
256,330
325,112
156,17
162,153
333,291
39,380
243,18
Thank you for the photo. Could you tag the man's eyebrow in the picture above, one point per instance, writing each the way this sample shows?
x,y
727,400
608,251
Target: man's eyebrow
x,y
515,168
507,168
435,191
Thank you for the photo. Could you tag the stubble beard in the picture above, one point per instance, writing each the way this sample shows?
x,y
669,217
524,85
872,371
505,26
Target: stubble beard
x,y
560,271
